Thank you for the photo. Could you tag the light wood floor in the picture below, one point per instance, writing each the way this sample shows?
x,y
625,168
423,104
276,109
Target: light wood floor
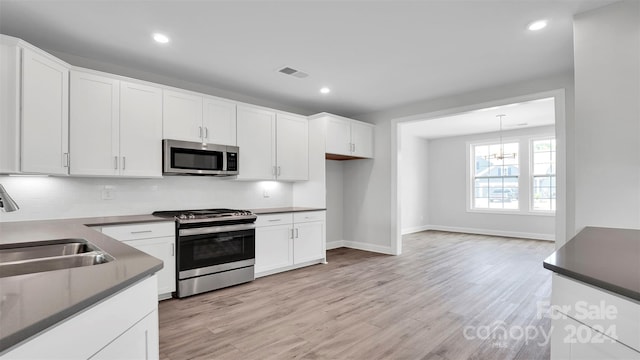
x,y
370,306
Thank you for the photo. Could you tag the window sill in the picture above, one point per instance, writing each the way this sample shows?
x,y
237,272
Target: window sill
x,y
512,212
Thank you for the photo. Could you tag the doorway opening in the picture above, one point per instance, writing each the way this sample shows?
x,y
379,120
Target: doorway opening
x,y
495,168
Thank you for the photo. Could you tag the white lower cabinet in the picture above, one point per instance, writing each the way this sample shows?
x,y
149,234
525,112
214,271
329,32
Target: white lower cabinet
x,y
591,323
122,326
156,239
139,342
288,241
162,248
274,248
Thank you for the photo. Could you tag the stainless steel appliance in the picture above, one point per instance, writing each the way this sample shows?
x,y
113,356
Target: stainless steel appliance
x,y
194,158
215,248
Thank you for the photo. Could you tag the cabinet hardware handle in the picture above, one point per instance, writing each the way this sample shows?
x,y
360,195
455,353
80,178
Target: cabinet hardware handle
x,y
200,132
141,231
206,132
354,147
275,220
173,250
297,233
65,160
278,174
292,233
124,162
116,160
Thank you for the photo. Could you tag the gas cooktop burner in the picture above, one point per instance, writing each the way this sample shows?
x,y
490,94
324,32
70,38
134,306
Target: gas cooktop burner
x,y
206,215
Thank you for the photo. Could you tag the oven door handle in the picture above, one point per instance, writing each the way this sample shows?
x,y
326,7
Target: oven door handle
x,y
213,230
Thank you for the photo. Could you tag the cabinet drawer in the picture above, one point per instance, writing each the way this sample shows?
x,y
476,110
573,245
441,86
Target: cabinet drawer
x,y
274,219
307,216
140,231
589,305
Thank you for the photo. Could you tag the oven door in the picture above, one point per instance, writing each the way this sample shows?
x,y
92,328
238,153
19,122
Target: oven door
x,y
201,252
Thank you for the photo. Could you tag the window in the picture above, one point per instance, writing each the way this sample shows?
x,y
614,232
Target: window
x,y
495,176
543,174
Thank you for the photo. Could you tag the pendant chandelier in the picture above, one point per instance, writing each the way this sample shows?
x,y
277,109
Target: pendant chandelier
x,y
501,155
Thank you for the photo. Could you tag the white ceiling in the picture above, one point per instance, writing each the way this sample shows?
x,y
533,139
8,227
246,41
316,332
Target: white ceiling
x,y
373,55
517,116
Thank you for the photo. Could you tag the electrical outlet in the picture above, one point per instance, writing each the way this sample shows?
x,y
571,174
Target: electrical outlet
x,y
108,193
266,194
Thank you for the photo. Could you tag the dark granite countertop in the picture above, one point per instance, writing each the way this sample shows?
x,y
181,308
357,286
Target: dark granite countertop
x,y
604,257
31,303
281,210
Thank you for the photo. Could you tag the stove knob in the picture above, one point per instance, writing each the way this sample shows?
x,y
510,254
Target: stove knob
x,y
182,217
191,216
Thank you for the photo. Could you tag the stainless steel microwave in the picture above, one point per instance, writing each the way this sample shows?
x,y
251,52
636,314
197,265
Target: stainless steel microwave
x,y
195,158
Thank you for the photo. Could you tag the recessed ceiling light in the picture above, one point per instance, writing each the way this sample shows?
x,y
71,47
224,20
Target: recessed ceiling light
x,y
325,90
161,38
537,25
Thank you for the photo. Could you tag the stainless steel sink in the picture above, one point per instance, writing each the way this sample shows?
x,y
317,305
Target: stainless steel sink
x,y
59,248
19,259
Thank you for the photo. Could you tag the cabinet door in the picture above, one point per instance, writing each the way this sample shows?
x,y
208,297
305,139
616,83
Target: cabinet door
x,y
45,115
362,139
571,339
338,136
219,121
140,130
308,242
256,139
164,249
292,149
181,116
94,119
141,341
274,248
9,108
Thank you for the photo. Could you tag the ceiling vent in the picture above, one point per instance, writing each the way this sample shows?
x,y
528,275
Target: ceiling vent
x,y
293,72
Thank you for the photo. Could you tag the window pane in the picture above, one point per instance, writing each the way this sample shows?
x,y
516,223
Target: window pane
x,y
495,178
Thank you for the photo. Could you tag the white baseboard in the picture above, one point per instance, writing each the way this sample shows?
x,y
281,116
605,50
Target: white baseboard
x,y
514,234
360,246
368,247
415,229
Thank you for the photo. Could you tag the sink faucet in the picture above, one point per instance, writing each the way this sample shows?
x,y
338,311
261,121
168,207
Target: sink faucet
x,y
6,202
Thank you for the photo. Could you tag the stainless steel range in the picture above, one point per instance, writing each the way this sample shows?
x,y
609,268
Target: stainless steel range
x,y
215,248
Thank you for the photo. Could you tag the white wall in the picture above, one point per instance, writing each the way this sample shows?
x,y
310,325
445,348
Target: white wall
x,y
607,78
413,189
335,203
448,191
368,199
60,197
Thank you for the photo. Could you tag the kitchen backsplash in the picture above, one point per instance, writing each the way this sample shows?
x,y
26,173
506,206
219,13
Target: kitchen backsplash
x,y
59,197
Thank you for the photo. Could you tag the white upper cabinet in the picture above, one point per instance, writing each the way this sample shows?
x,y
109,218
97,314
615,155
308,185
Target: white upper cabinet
x,y
272,146
192,117
292,150
347,138
362,139
94,120
219,121
256,140
140,130
182,116
45,114
9,106
338,136
116,127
